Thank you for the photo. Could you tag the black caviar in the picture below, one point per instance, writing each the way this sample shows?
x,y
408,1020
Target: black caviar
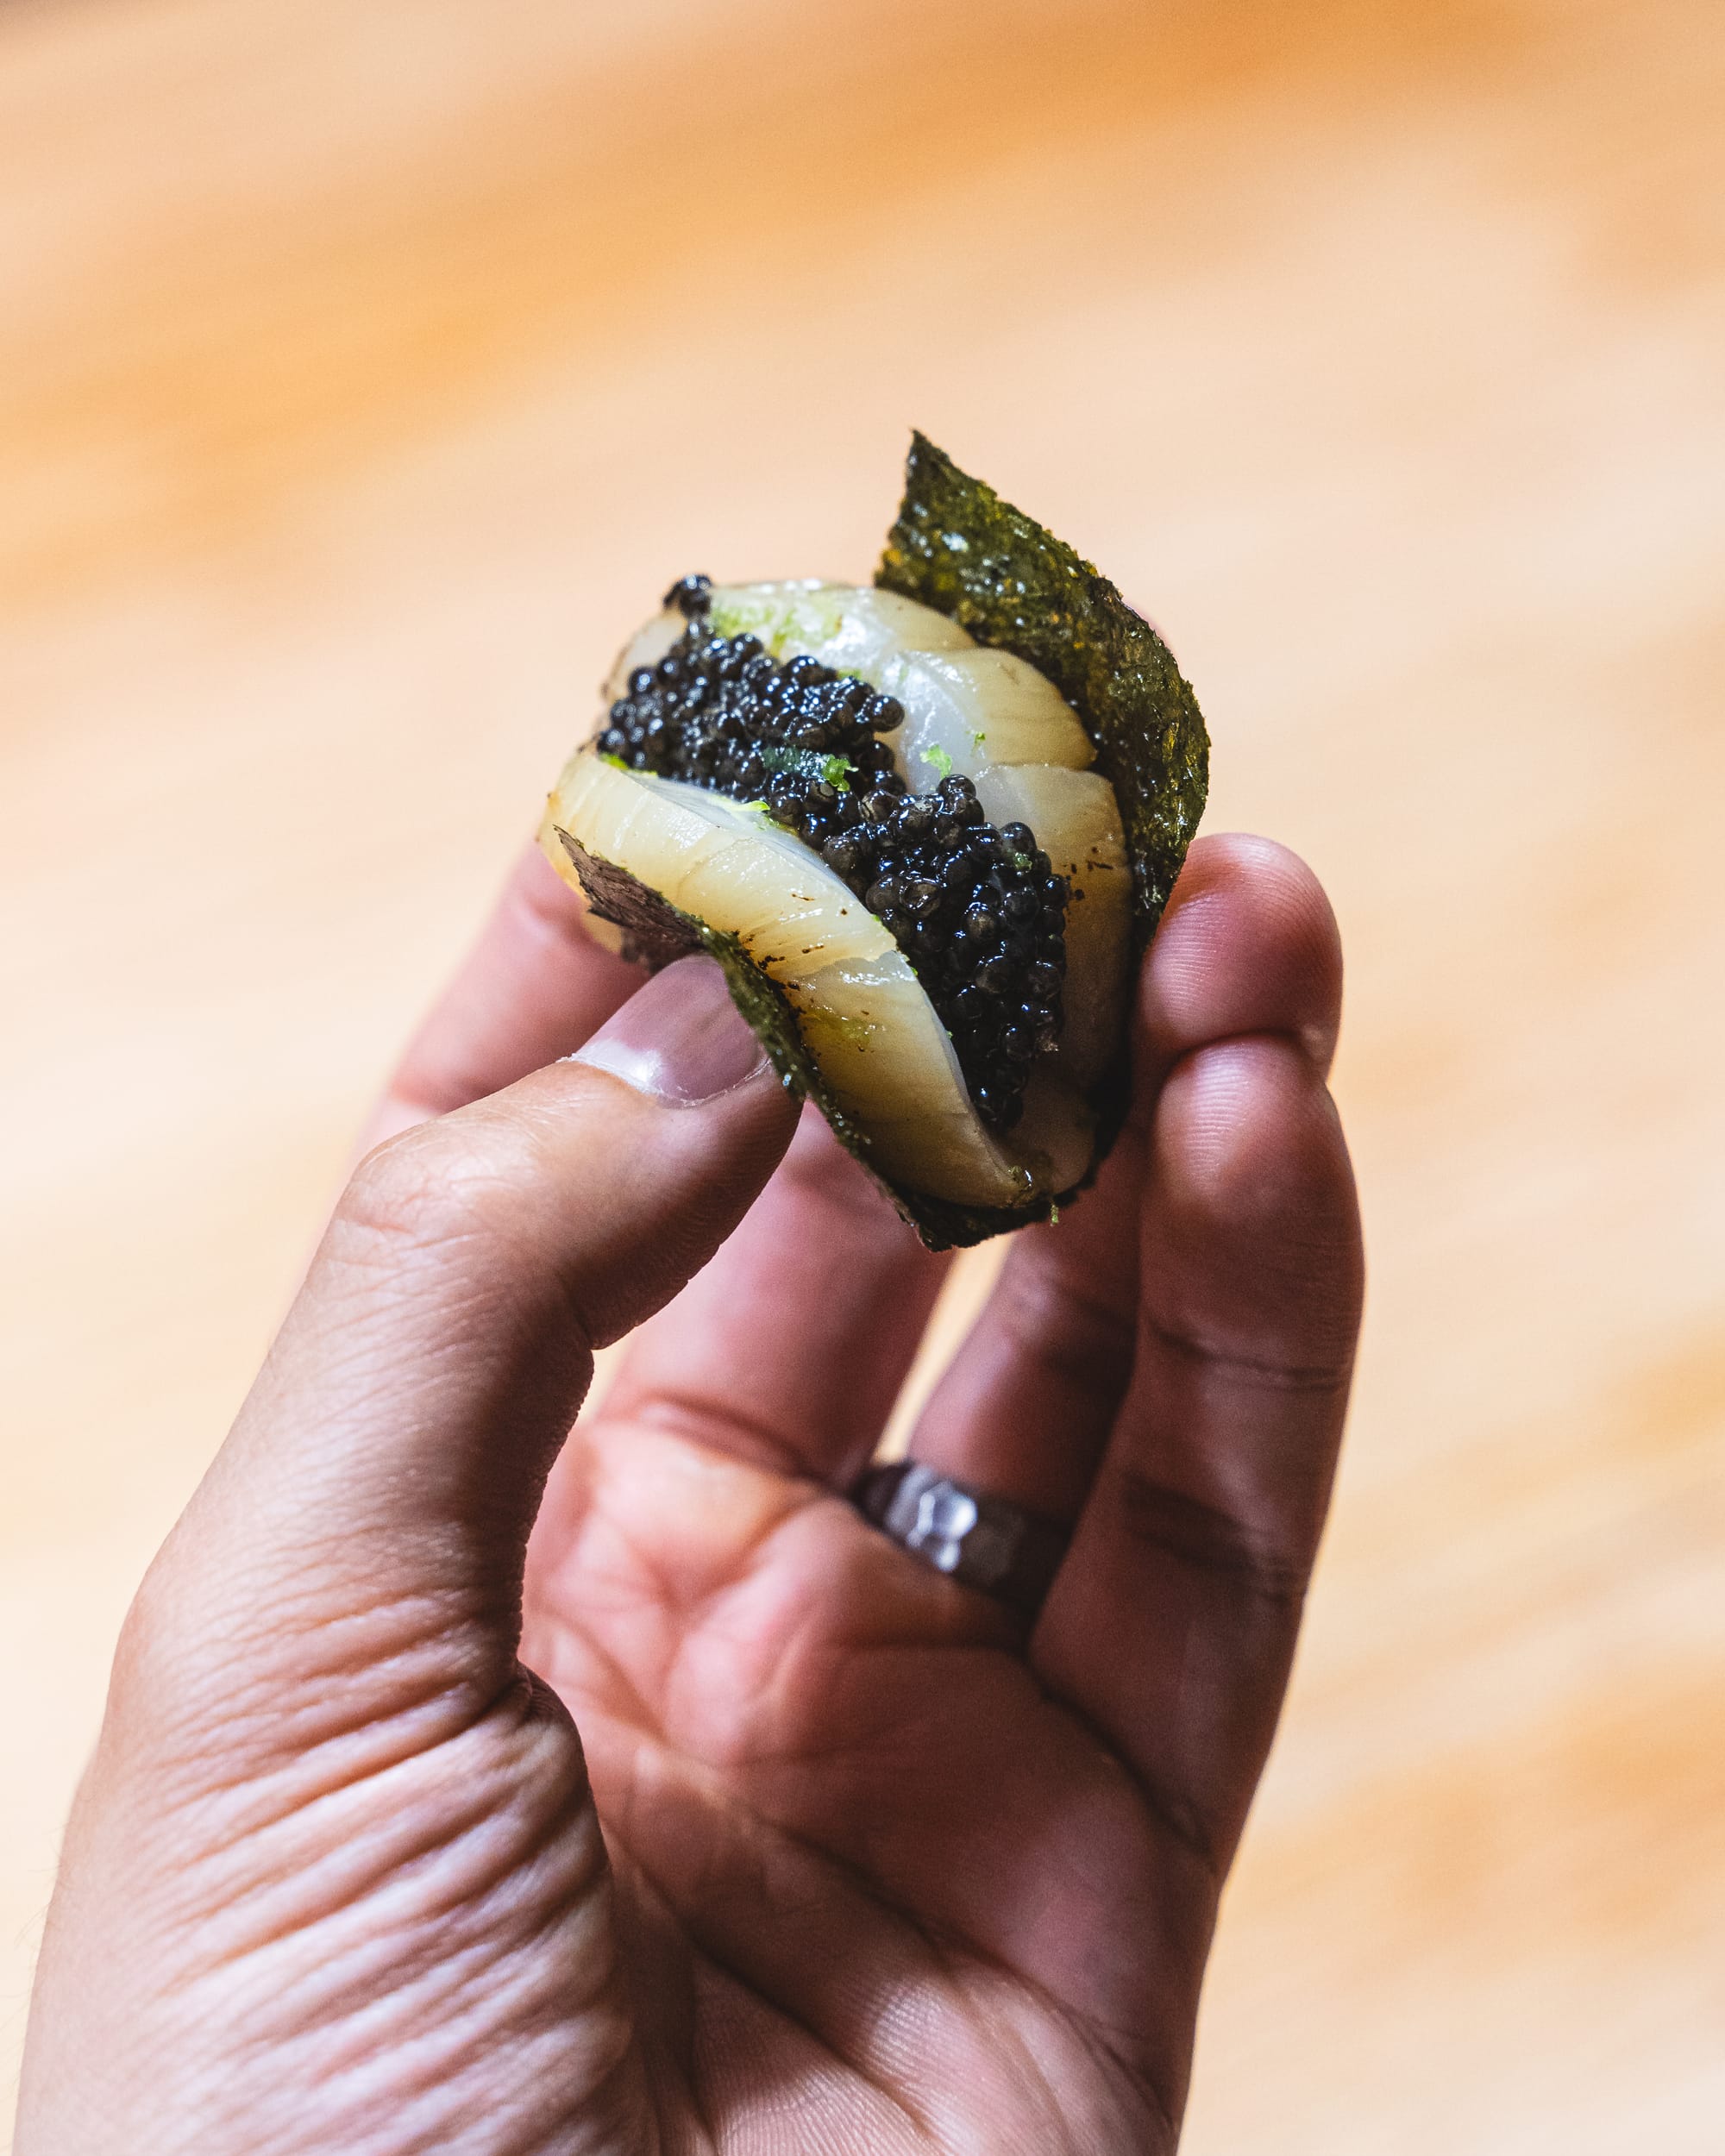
x,y
977,911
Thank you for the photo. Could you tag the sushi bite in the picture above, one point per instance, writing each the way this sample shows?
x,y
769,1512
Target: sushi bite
x,y
925,825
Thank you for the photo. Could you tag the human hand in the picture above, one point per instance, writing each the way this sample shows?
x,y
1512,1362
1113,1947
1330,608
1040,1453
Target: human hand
x,y
844,1856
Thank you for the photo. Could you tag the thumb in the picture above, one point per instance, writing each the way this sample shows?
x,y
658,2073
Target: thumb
x,y
377,1489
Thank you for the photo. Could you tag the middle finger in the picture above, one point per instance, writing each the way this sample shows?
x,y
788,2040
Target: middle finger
x,y
789,1348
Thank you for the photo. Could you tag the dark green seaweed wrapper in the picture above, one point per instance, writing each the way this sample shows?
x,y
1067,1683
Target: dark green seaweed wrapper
x,y
958,547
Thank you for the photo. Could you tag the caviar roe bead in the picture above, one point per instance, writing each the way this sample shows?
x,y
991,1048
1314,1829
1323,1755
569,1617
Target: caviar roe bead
x,y
690,595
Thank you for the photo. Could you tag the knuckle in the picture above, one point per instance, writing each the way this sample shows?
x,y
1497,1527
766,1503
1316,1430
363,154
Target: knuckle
x,y
145,1651
434,1186
1325,1373
1250,1127
1206,1538
1079,1337
159,1677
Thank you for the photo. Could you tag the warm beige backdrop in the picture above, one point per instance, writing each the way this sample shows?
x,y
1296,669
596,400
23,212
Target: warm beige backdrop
x,y
365,369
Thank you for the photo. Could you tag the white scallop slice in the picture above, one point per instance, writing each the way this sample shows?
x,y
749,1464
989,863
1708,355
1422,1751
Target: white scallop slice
x,y
645,647
891,1066
1077,820
865,1017
966,712
1056,1136
849,627
721,860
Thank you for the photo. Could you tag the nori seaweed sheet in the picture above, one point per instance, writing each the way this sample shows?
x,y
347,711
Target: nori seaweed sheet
x,y
958,547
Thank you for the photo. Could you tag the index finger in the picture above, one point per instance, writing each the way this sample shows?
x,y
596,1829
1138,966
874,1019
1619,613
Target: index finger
x,y
532,989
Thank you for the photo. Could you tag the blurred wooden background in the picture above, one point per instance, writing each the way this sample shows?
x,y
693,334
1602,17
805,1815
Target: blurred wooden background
x,y
367,370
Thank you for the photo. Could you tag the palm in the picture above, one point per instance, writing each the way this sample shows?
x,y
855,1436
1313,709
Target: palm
x,y
860,1826
883,1861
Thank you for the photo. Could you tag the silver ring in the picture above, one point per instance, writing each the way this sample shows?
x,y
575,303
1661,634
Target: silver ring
x,y
985,1542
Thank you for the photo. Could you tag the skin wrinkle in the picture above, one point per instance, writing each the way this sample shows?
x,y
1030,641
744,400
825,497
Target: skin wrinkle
x,y
745,1560
682,1414
448,1965
562,1363
974,1623
956,1951
451,1965
370,1245
640,1718
440,1639
433,1703
652,1720
457,1224
640,1919
473,1809
427,1624
1272,1374
433,1969
462,1972
1095,2040
244,1777
625,1801
433,1199
478,1312
712,1790
1207,1537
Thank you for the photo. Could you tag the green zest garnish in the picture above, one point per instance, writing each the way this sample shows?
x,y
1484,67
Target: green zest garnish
x,y
940,759
835,770
784,621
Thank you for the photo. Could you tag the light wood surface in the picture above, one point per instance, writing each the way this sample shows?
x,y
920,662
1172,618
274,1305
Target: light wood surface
x,y
366,371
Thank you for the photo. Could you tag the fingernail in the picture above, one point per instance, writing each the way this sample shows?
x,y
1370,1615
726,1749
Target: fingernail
x,y
679,1038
